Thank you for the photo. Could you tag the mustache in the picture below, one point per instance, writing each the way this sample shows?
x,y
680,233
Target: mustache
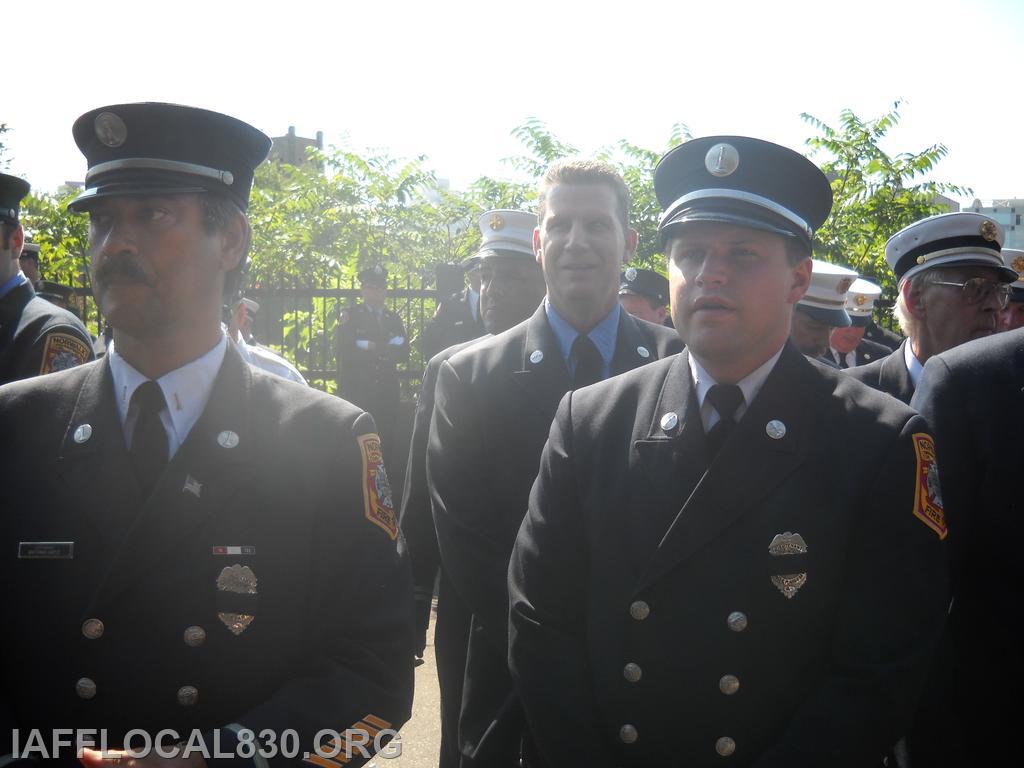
x,y
120,267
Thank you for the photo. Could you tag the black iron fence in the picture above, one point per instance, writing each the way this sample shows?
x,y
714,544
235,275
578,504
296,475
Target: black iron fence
x,y
299,323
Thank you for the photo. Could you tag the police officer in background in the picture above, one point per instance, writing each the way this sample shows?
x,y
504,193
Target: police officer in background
x,y
207,548
821,308
458,318
644,294
511,288
370,341
29,262
952,284
493,408
703,577
1012,315
36,337
847,346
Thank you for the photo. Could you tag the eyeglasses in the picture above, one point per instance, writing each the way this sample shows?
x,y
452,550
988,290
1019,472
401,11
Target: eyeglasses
x,y
978,289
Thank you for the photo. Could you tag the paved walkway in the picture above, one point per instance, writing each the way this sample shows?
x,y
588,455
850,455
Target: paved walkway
x,y
421,736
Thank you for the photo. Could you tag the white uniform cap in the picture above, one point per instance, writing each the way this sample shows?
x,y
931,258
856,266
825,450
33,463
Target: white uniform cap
x,y
1014,259
825,299
947,240
507,233
860,301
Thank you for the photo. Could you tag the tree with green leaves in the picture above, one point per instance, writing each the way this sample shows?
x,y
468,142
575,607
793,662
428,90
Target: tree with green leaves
x,y
875,193
316,225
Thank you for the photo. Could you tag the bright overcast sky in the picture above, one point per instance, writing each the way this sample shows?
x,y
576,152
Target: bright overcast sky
x,y
450,79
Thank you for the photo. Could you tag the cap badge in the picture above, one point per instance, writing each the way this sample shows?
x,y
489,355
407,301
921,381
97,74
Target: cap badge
x,y
844,285
860,299
1018,264
722,160
110,129
497,222
988,230
631,274
787,544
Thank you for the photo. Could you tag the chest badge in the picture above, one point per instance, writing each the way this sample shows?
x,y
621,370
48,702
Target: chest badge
x,y
785,544
789,583
237,584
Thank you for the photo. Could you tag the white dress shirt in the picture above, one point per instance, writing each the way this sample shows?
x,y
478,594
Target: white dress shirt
x,y
749,385
914,366
186,392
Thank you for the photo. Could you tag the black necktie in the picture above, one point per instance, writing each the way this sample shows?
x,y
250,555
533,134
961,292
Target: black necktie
x,y
842,359
587,360
725,398
149,439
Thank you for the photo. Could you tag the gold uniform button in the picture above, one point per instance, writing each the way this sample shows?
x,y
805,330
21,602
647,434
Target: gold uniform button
x,y
628,734
639,610
737,621
195,636
92,629
85,688
729,684
188,695
725,746
632,672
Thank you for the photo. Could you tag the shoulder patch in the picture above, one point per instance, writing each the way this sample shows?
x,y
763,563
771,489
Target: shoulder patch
x,y
378,507
63,351
927,495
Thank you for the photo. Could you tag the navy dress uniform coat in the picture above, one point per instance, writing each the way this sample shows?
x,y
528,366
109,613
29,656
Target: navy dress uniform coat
x,y
129,623
883,336
776,608
454,324
368,378
889,375
493,409
972,397
38,337
869,351
451,629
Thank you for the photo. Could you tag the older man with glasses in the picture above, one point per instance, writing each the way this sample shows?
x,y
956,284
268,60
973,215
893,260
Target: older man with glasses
x,y
953,284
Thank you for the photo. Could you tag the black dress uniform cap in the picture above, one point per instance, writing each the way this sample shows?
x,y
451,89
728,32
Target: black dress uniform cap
x,y
744,181
644,282
58,294
152,148
12,190
30,251
375,275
